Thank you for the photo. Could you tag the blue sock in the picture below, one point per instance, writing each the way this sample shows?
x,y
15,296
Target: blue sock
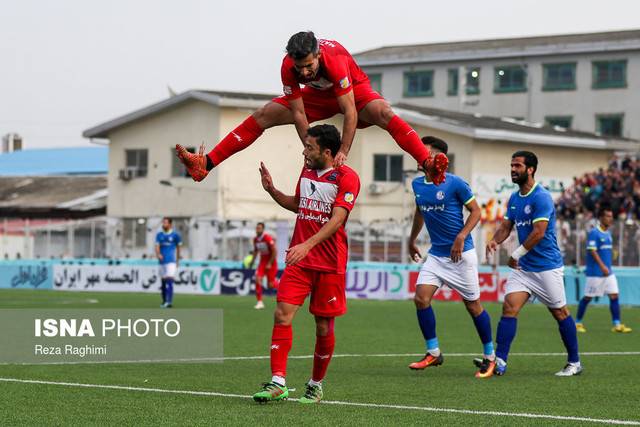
x,y
163,288
614,307
483,326
507,327
582,307
170,290
427,322
569,338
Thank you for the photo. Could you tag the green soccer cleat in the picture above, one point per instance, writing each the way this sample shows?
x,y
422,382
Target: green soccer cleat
x,y
312,394
271,392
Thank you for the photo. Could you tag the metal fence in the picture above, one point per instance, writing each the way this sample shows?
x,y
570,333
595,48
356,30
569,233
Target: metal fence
x,y
213,239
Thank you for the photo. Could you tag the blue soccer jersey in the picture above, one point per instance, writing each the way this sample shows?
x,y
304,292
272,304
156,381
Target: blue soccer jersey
x,y
600,241
523,212
168,243
441,207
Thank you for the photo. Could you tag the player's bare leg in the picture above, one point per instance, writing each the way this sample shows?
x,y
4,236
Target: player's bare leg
x,y
198,164
378,112
427,323
281,340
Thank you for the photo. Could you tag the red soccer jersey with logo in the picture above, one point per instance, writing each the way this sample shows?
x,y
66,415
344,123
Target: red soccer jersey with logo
x,y
319,193
264,246
338,72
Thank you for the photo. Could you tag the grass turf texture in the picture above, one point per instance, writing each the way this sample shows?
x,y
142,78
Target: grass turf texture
x,y
607,389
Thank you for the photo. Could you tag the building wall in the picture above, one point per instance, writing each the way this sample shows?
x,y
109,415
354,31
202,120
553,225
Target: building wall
x,y
583,103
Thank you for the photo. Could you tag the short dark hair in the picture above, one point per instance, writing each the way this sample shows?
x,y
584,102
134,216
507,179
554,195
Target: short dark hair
x,y
327,136
436,143
168,219
603,209
530,159
301,44
260,223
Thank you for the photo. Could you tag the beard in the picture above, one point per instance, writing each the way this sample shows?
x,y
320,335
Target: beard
x,y
520,178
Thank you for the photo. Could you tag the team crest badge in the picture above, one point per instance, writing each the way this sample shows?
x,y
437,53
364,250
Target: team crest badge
x,y
527,209
440,195
348,197
344,83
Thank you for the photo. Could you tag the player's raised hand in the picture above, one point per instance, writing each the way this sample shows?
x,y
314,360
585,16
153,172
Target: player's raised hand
x,y
492,246
296,253
265,176
339,159
414,252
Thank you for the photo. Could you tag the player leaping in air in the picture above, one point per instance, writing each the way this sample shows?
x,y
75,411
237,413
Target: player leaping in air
x,y
333,84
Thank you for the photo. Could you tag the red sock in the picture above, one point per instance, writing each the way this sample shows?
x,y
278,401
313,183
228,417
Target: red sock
x,y
281,340
259,289
237,140
408,139
322,355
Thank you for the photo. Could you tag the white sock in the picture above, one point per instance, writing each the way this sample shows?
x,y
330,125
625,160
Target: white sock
x,y
575,363
435,352
491,356
279,380
316,383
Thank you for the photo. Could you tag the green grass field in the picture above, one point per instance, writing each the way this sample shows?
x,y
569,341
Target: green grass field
x,y
608,389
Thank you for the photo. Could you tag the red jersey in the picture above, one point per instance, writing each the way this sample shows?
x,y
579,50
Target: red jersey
x,y
319,193
338,72
264,245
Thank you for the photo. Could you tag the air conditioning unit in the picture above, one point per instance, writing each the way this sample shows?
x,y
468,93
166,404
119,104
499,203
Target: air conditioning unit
x,y
375,189
127,173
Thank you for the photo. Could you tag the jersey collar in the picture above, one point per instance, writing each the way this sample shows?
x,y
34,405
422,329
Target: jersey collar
x,y
600,228
168,232
530,191
319,173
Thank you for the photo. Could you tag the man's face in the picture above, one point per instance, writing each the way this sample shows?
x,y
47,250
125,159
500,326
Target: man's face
x,y
519,171
606,219
259,230
308,66
314,157
166,225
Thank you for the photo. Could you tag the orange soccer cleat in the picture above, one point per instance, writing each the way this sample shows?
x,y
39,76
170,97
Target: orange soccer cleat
x,y
428,360
196,163
487,368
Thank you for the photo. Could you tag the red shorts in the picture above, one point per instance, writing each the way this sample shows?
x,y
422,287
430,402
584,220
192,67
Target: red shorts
x,y
328,290
270,272
323,104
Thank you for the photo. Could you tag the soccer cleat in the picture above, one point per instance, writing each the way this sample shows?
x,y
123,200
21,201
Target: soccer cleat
x,y
195,163
570,370
437,168
259,305
271,392
621,328
165,305
501,367
487,367
580,328
312,394
426,361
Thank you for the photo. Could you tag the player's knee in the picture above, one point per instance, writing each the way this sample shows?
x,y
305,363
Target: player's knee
x,y
613,297
587,299
509,310
422,301
281,317
560,313
386,114
474,307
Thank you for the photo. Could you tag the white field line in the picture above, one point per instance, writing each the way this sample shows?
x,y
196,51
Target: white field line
x,y
310,356
335,402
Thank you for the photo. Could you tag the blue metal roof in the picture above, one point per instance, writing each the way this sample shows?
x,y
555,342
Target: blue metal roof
x,y
55,161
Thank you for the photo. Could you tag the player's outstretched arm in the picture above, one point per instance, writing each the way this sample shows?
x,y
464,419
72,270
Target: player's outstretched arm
x,y
288,202
347,105
298,252
418,223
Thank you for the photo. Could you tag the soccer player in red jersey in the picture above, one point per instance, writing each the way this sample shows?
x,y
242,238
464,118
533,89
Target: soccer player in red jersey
x,y
265,245
316,259
333,84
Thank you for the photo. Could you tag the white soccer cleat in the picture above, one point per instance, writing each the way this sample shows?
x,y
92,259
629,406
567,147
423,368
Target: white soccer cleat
x,y
570,370
259,305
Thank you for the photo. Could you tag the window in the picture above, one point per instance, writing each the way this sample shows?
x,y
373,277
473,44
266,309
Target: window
x,y
136,161
559,76
418,83
561,121
177,168
452,82
134,232
511,78
387,167
609,124
609,74
376,82
473,81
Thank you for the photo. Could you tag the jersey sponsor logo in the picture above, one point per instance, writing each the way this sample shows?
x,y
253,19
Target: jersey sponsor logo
x,y
287,90
344,83
315,205
440,195
333,176
429,208
527,209
523,223
348,197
